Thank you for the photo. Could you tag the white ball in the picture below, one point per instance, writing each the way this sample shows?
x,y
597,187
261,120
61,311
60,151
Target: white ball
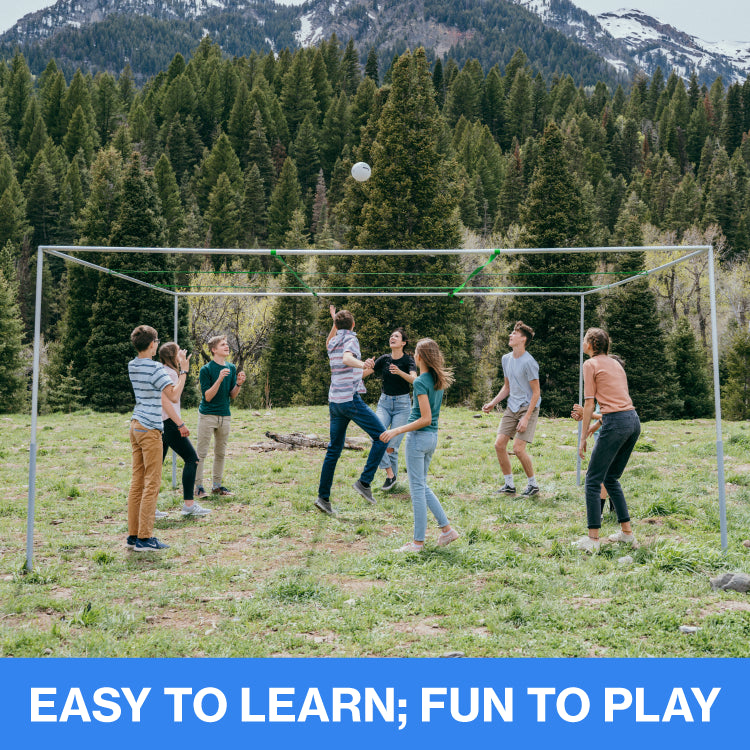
x,y
361,171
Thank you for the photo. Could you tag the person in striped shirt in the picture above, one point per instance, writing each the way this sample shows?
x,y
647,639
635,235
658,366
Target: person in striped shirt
x,y
151,384
345,405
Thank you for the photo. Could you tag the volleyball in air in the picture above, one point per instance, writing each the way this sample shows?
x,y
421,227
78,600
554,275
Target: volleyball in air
x,y
361,171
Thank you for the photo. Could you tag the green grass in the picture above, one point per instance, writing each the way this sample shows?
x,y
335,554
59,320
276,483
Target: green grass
x,y
267,575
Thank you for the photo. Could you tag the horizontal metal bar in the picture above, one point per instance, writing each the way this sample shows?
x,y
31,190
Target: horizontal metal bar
x,y
409,251
643,274
324,293
93,266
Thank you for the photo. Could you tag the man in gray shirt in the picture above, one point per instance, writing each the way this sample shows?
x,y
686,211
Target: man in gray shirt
x,y
521,388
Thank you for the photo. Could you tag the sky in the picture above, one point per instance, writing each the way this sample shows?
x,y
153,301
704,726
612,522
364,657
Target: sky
x,y
717,20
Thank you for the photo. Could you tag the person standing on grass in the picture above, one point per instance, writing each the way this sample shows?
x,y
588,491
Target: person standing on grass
x,y
345,405
605,382
422,427
176,432
220,383
398,372
150,383
521,388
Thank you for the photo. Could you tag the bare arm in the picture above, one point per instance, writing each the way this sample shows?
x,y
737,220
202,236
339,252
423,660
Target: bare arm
x,y
349,360
425,419
410,377
588,410
504,393
168,407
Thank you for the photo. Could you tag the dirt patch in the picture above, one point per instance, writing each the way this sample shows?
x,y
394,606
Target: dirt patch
x,y
726,605
586,601
425,628
654,521
357,585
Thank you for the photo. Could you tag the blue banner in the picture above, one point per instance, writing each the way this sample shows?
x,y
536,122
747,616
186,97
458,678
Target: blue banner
x,y
373,703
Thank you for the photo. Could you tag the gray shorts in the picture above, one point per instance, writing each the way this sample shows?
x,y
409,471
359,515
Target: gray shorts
x,y
509,424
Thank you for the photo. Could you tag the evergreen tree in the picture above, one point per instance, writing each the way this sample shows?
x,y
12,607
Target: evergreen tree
x,y
411,202
79,137
691,374
735,393
12,386
169,199
298,93
253,216
18,92
259,154
371,66
553,216
350,73
221,159
285,200
306,154
223,215
121,306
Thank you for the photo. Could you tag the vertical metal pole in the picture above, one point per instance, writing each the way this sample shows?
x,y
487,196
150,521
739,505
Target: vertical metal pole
x,y
34,411
717,402
580,393
176,326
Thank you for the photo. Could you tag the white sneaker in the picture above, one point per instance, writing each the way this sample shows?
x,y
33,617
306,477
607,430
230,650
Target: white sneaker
x,y
587,544
194,510
621,536
410,547
447,537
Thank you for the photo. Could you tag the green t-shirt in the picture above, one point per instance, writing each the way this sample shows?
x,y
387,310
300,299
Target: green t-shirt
x,y
425,384
209,374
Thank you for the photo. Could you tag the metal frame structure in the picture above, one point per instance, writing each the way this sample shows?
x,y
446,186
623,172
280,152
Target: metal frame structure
x,y
62,251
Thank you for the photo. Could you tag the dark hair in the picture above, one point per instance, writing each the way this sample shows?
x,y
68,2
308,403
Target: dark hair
x,y
214,341
527,331
142,337
168,355
344,320
429,352
599,340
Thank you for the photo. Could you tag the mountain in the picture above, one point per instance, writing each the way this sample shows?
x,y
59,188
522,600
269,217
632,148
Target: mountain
x,y
631,40
107,34
557,37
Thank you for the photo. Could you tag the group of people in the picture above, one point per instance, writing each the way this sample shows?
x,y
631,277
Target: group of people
x,y
156,424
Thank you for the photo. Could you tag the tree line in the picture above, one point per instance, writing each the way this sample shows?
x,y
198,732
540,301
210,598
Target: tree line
x,y
255,151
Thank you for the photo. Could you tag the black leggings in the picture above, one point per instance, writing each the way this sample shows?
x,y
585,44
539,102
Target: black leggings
x,y
184,449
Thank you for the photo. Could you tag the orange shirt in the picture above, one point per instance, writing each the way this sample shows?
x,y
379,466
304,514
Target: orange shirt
x,y
605,380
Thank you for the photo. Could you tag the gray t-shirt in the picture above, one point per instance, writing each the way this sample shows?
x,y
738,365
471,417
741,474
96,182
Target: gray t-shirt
x,y
519,373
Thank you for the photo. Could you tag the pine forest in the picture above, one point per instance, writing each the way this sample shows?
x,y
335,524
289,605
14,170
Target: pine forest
x,y
256,151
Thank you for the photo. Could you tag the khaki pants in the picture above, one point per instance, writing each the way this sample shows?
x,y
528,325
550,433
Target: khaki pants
x,y
210,425
146,481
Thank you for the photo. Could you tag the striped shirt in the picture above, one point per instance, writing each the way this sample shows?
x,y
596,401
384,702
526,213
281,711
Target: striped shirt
x,y
149,379
345,381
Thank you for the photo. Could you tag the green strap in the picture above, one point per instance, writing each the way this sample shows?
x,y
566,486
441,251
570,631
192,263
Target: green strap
x,y
294,273
492,257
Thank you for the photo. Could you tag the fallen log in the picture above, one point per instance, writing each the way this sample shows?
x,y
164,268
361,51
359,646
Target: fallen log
x,y
301,440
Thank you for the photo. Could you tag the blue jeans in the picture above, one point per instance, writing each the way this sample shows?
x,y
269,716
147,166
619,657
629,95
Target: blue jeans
x,y
617,438
361,414
393,411
420,446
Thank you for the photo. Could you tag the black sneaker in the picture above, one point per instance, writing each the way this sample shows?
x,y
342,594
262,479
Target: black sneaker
x,y
390,483
365,491
506,489
149,545
324,506
130,541
530,490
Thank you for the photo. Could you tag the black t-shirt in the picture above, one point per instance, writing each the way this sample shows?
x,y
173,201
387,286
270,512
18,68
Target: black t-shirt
x,y
394,385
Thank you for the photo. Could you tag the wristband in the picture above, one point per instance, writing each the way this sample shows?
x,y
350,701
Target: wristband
x,y
180,426
183,372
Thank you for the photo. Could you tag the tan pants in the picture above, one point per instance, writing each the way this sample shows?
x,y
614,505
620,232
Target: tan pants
x,y
146,481
210,425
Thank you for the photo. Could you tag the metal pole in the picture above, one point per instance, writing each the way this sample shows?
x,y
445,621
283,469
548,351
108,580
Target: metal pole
x,y
174,455
34,411
717,402
580,394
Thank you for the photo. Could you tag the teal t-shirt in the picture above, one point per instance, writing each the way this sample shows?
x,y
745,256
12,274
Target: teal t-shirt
x,y
209,374
425,384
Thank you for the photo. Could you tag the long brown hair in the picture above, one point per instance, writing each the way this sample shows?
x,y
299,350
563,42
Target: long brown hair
x,y
429,352
168,355
599,341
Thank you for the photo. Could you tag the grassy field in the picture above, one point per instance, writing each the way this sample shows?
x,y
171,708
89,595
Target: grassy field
x,y
268,575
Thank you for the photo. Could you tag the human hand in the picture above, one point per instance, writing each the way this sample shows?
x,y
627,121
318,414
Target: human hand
x,y
582,448
523,424
184,431
183,359
332,310
591,430
394,369
577,412
488,407
224,373
241,377
387,436
369,364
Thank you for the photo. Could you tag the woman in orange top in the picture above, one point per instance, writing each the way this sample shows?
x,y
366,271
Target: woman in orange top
x,y
605,382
